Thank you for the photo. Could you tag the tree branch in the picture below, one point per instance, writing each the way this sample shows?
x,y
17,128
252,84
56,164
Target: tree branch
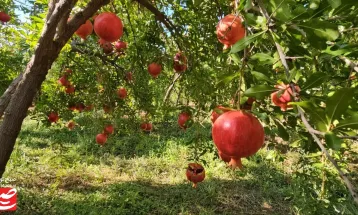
x,y
304,119
353,65
170,88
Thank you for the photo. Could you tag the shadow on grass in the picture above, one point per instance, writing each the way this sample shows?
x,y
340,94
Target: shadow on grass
x,y
140,197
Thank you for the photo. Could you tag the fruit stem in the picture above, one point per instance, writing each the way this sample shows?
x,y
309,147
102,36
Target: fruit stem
x,y
235,162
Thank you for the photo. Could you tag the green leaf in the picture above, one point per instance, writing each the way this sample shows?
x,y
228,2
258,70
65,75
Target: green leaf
x,y
335,3
282,9
314,4
316,114
262,77
248,5
351,122
227,79
263,58
322,29
241,44
259,91
338,103
333,141
282,131
315,80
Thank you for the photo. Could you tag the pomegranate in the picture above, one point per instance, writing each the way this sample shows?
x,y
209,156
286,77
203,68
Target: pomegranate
x,y
80,107
70,89
53,117
89,107
195,173
122,93
4,17
183,119
109,129
108,26
84,30
217,112
180,62
72,107
230,30
129,76
285,96
71,125
107,109
120,45
146,126
106,46
101,139
63,81
154,69
238,134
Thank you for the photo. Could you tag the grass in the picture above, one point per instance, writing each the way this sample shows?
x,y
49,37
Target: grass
x,y
65,172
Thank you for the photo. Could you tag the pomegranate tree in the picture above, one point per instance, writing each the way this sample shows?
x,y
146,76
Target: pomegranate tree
x,y
108,26
85,30
238,134
195,173
230,30
154,69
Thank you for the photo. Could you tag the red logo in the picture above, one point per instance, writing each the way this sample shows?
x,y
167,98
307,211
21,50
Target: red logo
x,y
8,199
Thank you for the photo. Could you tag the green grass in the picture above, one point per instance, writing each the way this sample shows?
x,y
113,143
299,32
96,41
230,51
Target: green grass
x,y
65,172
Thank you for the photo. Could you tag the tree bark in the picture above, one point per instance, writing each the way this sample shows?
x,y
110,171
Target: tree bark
x,y
46,52
6,97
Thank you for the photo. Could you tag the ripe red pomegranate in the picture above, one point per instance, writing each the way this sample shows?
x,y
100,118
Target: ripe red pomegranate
x,y
217,112
182,120
71,125
143,126
53,117
149,127
63,81
122,93
84,30
101,139
120,45
108,26
109,129
230,30
146,126
180,62
4,17
154,69
238,134
283,96
70,89
195,173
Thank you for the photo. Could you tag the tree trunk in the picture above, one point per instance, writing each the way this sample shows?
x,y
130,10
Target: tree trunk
x,y
6,97
48,49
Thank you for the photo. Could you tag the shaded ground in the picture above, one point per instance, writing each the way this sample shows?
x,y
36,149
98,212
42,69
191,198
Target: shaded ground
x,y
63,172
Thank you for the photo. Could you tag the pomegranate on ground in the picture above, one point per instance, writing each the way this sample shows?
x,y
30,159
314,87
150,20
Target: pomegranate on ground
x,y
53,117
195,173
108,26
109,129
101,139
238,134
230,30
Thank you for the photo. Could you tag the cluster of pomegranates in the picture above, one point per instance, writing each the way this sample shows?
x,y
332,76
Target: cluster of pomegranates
x,y
146,127
101,138
4,17
63,80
